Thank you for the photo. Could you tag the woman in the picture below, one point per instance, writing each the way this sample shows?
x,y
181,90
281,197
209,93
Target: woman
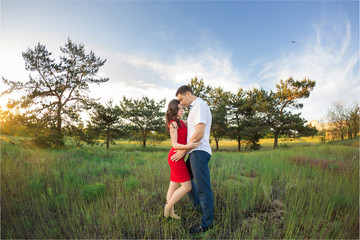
x,y
179,172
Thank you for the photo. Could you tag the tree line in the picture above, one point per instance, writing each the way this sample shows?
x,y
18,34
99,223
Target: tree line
x,y
249,115
57,92
343,121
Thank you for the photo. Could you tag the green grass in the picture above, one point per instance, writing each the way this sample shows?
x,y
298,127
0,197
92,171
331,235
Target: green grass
x,y
299,191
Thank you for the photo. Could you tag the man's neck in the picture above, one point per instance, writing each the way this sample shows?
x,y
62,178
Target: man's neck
x,y
193,97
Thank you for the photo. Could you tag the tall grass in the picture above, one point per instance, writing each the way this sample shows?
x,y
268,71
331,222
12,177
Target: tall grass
x,y
293,192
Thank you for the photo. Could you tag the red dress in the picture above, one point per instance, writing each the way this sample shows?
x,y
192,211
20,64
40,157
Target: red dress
x,y
179,172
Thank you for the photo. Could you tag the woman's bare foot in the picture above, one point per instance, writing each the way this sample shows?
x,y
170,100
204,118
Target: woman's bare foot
x,y
167,211
173,215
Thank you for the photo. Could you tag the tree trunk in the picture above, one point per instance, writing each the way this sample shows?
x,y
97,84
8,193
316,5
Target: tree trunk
x,y
107,138
217,144
144,132
144,142
276,136
239,144
59,137
58,121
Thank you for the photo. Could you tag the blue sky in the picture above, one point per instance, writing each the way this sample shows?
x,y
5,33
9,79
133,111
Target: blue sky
x,y
152,47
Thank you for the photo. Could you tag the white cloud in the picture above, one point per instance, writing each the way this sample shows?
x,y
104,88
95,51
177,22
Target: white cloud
x,y
136,75
213,66
329,59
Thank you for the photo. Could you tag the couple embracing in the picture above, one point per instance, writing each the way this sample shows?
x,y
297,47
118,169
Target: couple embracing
x,y
192,137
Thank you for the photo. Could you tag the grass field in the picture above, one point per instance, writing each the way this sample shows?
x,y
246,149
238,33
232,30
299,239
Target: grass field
x,y
301,190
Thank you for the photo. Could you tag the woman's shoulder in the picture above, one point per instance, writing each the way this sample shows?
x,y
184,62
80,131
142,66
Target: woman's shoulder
x,y
173,123
183,124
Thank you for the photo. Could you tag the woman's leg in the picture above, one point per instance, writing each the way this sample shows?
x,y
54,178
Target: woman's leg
x,y
176,196
172,188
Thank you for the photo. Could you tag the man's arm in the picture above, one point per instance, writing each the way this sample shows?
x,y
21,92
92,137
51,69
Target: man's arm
x,y
199,132
198,135
174,137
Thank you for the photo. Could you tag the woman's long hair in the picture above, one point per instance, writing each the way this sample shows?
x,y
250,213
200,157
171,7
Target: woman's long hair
x,y
171,113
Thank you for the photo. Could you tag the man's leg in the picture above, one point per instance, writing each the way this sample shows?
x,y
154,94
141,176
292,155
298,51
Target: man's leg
x,y
199,164
193,196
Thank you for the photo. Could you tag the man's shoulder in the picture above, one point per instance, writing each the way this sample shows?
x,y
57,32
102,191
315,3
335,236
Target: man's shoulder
x,y
201,102
201,106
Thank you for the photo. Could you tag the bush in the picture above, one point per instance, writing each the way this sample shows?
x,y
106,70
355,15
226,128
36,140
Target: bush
x,y
91,192
132,183
36,185
122,171
49,139
61,199
342,202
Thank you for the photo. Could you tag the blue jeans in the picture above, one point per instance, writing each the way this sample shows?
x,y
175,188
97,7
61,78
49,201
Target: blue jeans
x,y
201,193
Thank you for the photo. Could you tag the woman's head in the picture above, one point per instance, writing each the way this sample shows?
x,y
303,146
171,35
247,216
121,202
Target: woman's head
x,y
174,112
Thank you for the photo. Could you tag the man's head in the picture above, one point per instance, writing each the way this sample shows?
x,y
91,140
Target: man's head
x,y
185,95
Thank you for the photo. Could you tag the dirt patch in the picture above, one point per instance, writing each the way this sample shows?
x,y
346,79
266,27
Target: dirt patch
x,y
6,140
323,164
271,217
355,144
28,144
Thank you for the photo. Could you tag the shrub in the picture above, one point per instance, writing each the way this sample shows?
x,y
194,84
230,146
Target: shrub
x,y
61,199
36,184
122,171
342,202
132,183
92,191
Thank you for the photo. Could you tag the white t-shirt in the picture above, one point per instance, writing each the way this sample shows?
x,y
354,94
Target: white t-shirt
x,y
200,113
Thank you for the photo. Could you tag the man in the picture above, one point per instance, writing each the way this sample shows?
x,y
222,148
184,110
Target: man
x,y
199,123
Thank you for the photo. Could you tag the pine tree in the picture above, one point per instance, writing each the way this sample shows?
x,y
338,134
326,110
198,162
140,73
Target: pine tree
x,y
56,93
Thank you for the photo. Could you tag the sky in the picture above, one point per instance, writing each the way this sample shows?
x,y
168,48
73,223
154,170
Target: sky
x,y
153,47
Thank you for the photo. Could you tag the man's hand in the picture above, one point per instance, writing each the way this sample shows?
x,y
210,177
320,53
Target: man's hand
x,y
179,154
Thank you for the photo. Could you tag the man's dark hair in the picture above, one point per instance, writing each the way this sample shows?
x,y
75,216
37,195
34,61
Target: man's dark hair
x,y
183,89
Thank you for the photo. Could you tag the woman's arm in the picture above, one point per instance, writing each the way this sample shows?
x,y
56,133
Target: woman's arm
x,y
185,123
199,134
175,144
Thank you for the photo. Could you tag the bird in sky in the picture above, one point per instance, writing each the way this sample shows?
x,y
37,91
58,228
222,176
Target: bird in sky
x,y
293,41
